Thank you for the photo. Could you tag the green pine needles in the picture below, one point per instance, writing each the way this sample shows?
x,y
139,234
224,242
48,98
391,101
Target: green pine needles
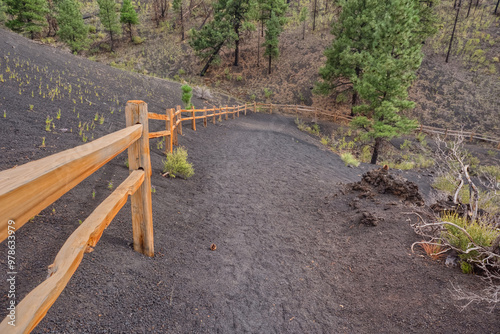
x,y
128,16
187,94
109,18
72,29
377,50
28,15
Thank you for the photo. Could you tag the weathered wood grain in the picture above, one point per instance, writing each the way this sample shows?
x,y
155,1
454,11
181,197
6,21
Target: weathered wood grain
x,y
31,310
28,189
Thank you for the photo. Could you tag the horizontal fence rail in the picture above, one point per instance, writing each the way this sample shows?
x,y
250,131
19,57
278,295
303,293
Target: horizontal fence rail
x,y
331,115
28,189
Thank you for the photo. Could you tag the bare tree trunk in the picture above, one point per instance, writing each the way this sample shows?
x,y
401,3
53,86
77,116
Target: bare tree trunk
x,y
182,24
496,7
258,49
376,149
304,29
314,14
453,32
269,70
212,57
237,45
468,11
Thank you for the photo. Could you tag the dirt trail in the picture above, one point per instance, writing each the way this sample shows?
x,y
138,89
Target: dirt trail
x,y
291,254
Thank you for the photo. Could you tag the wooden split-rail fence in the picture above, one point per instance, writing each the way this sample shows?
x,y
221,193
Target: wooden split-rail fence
x,y
28,189
315,113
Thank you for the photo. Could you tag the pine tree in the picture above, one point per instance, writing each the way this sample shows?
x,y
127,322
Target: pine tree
x,y
72,29
187,94
3,9
29,15
177,5
128,16
109,18
273,31
388,70
230,17
302,18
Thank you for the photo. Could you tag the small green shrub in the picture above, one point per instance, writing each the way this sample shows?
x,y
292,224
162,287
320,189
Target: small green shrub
x,y
482,234
176,164
341,98
466,267
314,130
366,154
137,40
181,71
325,141
349,159
267,93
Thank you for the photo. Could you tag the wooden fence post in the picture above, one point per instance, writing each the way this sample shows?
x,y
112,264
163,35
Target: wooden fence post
x,y
271,109
234,112
194,119
254,106
245,109
139,158
220,114
238,111
167,127
213,119
170,146
227,117
205,115
178,108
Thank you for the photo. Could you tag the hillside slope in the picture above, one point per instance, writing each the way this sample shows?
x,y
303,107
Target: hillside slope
x,y
292,255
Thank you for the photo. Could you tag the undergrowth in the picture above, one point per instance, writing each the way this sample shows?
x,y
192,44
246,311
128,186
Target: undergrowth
x,y
176,164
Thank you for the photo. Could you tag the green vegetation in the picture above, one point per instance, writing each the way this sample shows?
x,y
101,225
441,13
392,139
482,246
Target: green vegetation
x,y
377,49
72,29
349,159
176,164
129,17
481,234
109,19
187,94
28,15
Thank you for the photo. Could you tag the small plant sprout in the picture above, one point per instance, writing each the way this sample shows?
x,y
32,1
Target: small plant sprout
x,y
58,115
4,114
96,117
110,185
126,163
31,107
80,221
48,124
84,138
43,142
153,189
101,119
93,193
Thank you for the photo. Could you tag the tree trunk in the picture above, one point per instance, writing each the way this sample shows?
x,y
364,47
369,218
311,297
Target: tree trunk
x,y
111,36
207,65
314,14
237,45
355,95
453,32
269,70
496,7
468,11
258,49
182,24
376,149
304,30
130,30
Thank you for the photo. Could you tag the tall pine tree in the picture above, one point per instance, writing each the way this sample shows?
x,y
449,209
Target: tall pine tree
x,y
128,16
72,29
388,70
230,17
273,31
109,18
28,15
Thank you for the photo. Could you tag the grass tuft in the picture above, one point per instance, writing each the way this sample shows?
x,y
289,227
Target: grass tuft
x,y
176,164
